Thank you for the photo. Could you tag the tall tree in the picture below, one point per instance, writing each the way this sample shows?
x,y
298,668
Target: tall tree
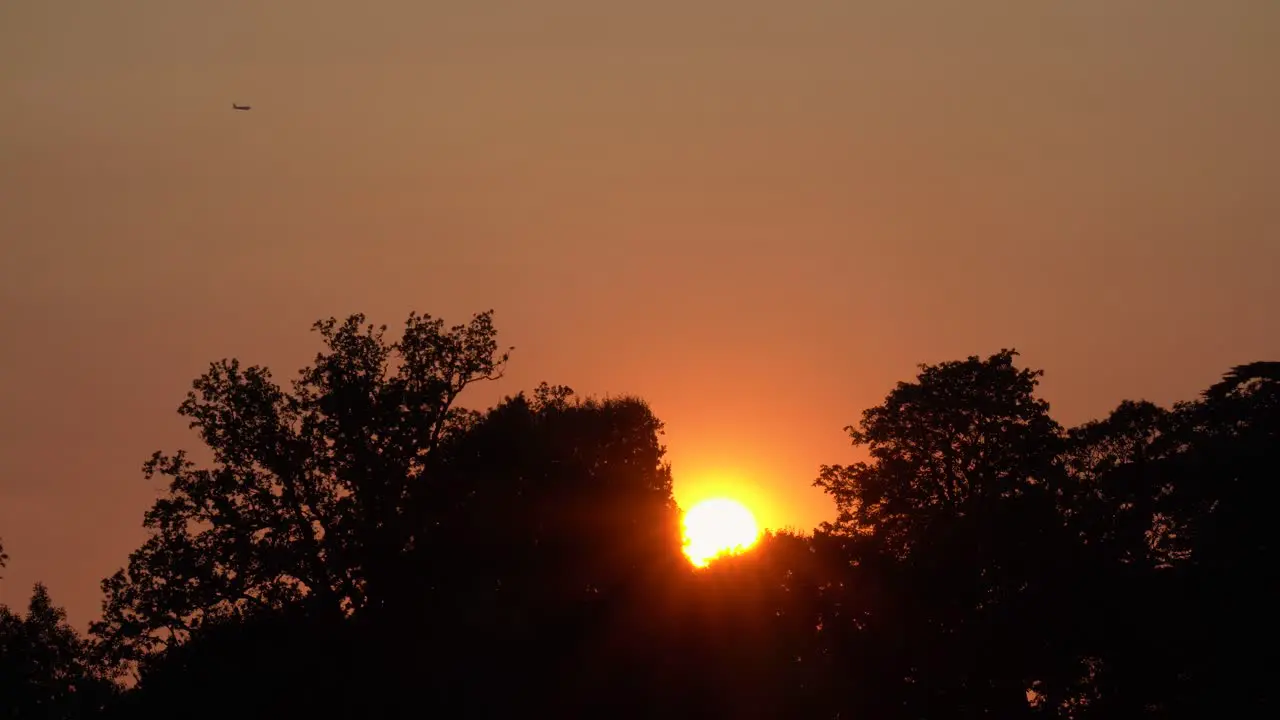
x,y
1219,494
551,520
960,491
307,495
1113,464
362,515
543,544
965,433
1171,508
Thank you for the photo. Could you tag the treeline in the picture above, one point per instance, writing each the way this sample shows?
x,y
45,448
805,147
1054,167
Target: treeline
x,y
360,546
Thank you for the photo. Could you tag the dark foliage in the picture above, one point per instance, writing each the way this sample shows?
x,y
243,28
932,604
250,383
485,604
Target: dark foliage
x,y
46,669
360,546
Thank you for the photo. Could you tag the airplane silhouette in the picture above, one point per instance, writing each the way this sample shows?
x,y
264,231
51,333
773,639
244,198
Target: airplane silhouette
x,y
239,107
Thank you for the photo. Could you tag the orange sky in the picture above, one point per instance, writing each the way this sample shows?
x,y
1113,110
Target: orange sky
x,y
759,216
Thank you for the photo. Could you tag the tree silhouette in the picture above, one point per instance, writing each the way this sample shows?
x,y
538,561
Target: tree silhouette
x,y
1169,507
307,496
359,545
1114,505
960,491
964,434
46,668
363,515
1216,499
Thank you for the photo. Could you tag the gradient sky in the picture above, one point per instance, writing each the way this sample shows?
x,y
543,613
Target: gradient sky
x,y
758,216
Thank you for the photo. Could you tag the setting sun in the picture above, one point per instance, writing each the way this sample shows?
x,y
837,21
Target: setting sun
x,y
718,527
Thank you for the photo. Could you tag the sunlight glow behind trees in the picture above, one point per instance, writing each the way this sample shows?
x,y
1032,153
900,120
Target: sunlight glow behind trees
x,y
716,527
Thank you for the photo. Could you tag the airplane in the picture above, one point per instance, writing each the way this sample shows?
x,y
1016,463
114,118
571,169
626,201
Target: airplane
x,y
239,107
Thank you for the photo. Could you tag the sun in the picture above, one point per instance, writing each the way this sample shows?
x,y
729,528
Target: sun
x,y
718,527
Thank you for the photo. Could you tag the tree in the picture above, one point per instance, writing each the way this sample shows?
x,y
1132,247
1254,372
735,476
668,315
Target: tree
x,y
1113,465
1171,509
565,494
46,669
963,434
766,632
360,545
960,492
545,529
361,515
308,496
1217,499
548,529
1231,443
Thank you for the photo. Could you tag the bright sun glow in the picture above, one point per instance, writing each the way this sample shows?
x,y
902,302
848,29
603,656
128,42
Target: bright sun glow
x,y
718,527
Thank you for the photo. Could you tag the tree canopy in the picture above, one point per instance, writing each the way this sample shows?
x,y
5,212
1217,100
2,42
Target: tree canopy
x,y
312,491
358,543
47,669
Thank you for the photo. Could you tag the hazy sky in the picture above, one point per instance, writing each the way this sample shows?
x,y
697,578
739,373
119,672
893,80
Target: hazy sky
x,y
758,216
